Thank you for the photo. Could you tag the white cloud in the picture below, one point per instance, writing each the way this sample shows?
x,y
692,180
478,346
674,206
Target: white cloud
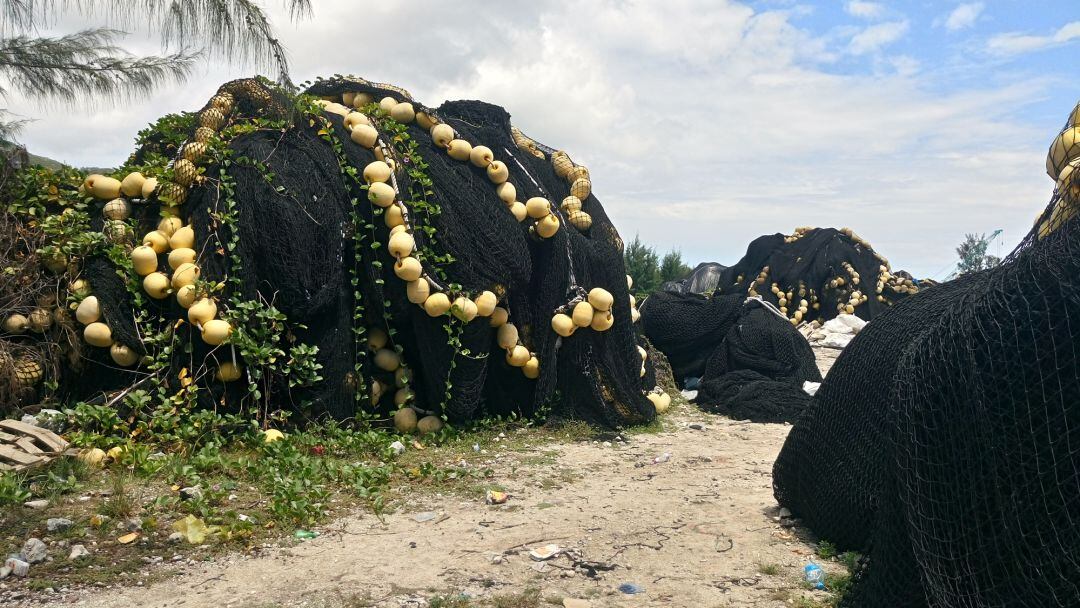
x,y
865,10
875,37
963,16
704,123
1016,43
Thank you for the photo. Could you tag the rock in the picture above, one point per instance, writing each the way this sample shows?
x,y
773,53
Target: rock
x,y
28,419
58,524
191,493
133,524
853,321
176,537
784,512
544,553
498,559
78,551
34,551
18,567
398,447
36,504
4,572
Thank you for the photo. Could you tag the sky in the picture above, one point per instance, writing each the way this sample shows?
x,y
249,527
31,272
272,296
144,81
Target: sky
x,y
707,123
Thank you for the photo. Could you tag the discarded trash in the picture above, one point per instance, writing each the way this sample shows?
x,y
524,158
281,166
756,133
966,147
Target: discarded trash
x,y
631,588
666,456
193,529
129,538
811,388
476,447
37,505
398,448
495,497
545,553
425,516
305,534
272,435
815,575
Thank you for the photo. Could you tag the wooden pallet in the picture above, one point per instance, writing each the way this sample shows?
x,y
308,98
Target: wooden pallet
x,y
25,446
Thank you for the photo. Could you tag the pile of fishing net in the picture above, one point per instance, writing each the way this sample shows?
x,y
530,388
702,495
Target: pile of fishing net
x,y
945,442
747,359
398,255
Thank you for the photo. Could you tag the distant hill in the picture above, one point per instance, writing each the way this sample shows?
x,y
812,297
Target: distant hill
x,y
48,163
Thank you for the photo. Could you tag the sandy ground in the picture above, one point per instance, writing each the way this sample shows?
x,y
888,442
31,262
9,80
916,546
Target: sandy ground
x,y
697,530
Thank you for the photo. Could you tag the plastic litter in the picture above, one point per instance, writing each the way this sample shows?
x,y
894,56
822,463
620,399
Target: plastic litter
x,y
631,588
666,456
815,575
305,534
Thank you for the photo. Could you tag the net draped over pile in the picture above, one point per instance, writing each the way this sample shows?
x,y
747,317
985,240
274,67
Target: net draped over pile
x,y
296,249
945,441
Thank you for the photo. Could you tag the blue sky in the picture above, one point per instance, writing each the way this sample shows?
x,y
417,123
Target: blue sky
x,y
706,123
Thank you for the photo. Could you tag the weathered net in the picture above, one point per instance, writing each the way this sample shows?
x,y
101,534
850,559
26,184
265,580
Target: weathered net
x,y
944,440
295,245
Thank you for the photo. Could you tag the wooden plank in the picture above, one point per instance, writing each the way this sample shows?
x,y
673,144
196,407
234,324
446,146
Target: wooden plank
x,y
27,444
49,440
8,437
18,457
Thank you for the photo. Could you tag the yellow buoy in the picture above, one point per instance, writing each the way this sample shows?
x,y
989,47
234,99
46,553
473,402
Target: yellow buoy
x,y
459,149
88,311
94,457
581,188
100,186
401,245
364,135
184,172
148,187
538,207
122,355
172,194
485,304
583,314
429,425
356,118
202,311
156,285
185,296
272,435
116,209
387,360
402,396
481,156
547,226
16,324
518,356
563,325
387,103
98,334
561,163
437,304
531,369
403,112
507,336
377,171
570,203
497,172
426,121
228,372
181,256
464,309
408,268
578,172
40,320
169,225
193,151
580,220
506,192
376,338
442,135
402,377
157,241
381,194
418,291
185,274
397,229
394,216
519,211
183,238
499,317
216,331
602,320
600,298
362,99
132,184
405,420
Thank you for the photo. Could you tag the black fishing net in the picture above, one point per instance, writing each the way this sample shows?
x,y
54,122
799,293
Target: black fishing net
x,y
943,442
296,247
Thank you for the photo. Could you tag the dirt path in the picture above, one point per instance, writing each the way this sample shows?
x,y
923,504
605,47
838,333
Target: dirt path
x,y
698,530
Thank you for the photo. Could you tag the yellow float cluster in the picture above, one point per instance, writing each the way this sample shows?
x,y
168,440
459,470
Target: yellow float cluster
x,y
1062,162
577,176
379,176
593,311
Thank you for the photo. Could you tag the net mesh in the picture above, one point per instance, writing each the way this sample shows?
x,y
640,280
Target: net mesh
x,y
943,442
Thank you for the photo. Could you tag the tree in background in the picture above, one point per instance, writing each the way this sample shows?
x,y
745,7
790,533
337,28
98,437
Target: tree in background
x,y
87,67
648,271
973,256
672,267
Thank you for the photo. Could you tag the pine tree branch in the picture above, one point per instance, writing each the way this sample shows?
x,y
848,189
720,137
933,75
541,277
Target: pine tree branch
x,y
84,64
